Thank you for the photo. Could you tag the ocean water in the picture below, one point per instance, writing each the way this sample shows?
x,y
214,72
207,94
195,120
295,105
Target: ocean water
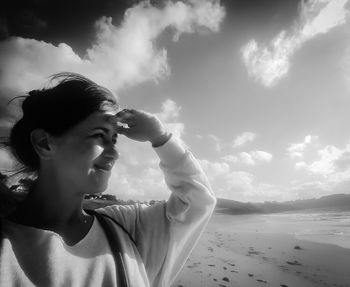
x,y
317,225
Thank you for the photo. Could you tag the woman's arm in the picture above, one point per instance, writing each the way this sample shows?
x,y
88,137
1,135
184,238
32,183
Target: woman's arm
x,y
188,209
165,233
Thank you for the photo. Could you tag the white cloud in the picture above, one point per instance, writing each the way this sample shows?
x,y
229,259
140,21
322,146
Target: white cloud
x,y
169,115
237,184
261,156
296,150
120,56
243,138
242,186
269,63
329,159
325,165
239,181
249,158
328,174
170,110
300,164
214,169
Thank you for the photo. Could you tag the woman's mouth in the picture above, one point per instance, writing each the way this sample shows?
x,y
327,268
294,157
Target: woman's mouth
x,y
105,166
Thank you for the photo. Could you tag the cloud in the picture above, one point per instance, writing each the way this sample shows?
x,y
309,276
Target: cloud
x,y
169,115
214,169
120,56
325,165
237,184
269,63
328,174
242,186
296,150
4,32
243,138
170,110
249,158
329,158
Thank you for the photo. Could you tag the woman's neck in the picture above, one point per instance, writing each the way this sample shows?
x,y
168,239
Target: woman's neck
x,y
51,204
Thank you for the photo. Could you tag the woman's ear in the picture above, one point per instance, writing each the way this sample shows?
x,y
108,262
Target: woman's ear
x,y
42,142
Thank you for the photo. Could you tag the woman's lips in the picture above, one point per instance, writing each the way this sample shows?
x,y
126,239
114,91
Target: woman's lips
x,y
105,166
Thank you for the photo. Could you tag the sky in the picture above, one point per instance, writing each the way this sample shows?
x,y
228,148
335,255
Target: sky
x,y
258,90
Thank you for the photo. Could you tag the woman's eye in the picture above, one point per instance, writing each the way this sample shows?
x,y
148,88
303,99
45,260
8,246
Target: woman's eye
x,y
98,136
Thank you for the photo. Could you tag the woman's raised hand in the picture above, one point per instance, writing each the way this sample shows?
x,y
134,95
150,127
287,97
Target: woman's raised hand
x,y
142,126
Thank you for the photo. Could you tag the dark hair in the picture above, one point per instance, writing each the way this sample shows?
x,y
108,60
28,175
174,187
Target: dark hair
x,y
56,110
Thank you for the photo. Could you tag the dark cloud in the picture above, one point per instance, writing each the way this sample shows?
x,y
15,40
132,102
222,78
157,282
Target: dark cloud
x,y
68,21
4,32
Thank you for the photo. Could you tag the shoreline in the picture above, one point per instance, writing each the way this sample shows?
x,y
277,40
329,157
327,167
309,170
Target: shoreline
x,y
244,251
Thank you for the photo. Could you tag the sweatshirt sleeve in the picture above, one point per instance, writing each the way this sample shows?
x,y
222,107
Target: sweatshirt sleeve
x,y
166,233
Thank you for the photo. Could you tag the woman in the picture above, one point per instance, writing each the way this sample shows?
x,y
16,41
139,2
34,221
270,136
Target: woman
x,y
68,138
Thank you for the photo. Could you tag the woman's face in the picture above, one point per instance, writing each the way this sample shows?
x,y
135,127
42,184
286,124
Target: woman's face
x,y
85,155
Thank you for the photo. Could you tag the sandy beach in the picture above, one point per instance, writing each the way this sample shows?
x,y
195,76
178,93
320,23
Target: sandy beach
x,y
248,251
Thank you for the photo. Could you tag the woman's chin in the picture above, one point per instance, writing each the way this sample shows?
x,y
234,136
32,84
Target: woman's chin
x,y
100,179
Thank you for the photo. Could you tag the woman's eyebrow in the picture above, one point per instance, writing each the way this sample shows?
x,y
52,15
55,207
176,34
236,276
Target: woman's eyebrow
x,y
106,130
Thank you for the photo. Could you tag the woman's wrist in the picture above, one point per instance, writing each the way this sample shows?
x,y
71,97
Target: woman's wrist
x,y
161,140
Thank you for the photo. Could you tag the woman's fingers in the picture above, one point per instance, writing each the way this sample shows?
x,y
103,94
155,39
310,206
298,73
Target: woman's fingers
x,y
127,116
126,112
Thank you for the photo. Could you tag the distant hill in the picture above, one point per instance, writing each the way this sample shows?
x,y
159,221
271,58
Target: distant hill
x,y
228,206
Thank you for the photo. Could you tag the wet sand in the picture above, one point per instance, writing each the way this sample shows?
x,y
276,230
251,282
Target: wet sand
x,y
244,251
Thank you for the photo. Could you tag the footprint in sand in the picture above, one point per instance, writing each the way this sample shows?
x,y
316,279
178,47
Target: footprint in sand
x,y
226,279
211,265
283,285
250,274
194,265
262,281
295,262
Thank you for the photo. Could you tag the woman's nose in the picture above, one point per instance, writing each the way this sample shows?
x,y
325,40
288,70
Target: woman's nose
x,y
111,151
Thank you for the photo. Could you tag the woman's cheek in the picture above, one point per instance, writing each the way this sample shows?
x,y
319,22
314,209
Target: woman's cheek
x,y
97,150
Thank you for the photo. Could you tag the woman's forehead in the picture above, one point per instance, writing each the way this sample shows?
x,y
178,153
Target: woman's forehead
x,y
102,118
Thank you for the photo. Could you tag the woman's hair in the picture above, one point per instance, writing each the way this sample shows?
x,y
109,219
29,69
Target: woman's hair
x,y
56,110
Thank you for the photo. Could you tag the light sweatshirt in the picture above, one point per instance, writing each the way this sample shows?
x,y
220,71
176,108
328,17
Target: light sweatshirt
x,y
165,233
